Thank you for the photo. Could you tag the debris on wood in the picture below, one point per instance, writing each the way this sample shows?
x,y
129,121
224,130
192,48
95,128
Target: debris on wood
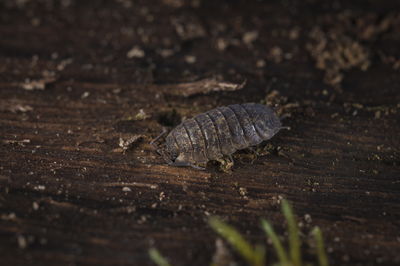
x,y
190,59
294,33
280,103
126,189
9,217
203,86
128,143
267,149
85,95
276,54
35,206
390,60
141,115
225,165
243,192
165,52
19,142
249,37
64,63
14,107
39,84
369,27
260,63
39,187
221,44
21,108
22,242
135,52
307,218
162,196
336,52
188,28
343,45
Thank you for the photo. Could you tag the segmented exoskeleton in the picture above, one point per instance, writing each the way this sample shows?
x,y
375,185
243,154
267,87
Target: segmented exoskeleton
x,y
217,133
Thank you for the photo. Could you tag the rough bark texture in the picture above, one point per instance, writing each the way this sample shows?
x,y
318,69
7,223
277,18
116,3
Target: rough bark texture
x,y
74,76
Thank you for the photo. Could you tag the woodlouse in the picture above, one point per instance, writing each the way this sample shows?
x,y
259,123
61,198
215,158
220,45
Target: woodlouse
x,y
217,133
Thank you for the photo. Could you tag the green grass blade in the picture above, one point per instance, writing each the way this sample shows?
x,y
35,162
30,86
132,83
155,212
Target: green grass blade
x,y
294,240
157,258
280,251
236,240
260,258
322,258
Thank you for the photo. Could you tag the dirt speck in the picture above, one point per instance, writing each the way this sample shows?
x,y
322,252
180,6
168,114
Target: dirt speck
x,y
22,241
39,84
126,189
141,115
276,54
249,37
135,52
35,206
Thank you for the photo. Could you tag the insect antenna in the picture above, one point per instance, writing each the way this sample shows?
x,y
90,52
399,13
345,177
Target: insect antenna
x,y
284,116
153,142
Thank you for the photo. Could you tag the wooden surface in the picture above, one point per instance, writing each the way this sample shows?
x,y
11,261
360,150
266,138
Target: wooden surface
x,y
70,196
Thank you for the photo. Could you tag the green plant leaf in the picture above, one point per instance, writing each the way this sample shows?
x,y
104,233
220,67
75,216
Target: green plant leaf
x,y
157,258
280,251
252,256
294,240
322,258
260,255
256,255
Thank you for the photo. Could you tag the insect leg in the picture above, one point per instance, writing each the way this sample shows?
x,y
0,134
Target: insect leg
x,y
226,163
153,142
254,150
231,158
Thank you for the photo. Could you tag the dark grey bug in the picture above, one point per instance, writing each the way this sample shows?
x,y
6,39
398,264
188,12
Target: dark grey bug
x,y
218,133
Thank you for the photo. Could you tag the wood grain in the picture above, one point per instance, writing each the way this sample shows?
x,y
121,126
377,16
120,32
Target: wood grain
x,y
70,196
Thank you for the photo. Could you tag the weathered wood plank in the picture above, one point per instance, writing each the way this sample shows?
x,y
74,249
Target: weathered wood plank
x,y
69,195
